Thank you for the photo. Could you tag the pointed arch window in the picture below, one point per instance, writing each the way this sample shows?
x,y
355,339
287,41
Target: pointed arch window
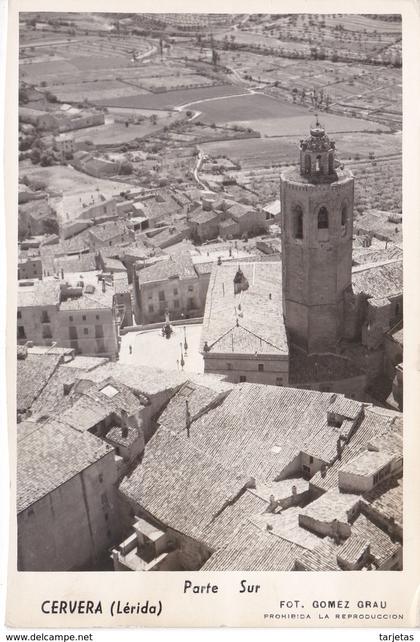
x,y
308,164
298,222
330,163
323,219
318,163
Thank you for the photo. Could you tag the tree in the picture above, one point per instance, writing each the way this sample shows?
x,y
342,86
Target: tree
x,y
35,156
126,167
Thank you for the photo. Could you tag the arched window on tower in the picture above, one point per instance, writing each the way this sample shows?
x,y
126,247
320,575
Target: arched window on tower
x,y
307,164
318,163
298,222
330,163
323,219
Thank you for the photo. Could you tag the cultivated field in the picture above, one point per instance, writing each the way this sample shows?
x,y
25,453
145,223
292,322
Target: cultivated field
x,y
171,99
69,180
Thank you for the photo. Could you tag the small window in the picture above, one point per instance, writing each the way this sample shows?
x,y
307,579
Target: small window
x,y
190,288
85,330
242,378
307,164
229,366
260,367
279,381
323,219
161,295
151,309
176,303
344,215
297,222
84,317
21,332
19,314
311,460
70,318
191,304
97,317
100,478
106,517
175,291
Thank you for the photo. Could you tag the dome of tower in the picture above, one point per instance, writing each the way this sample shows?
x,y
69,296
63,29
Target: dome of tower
x,y
318,141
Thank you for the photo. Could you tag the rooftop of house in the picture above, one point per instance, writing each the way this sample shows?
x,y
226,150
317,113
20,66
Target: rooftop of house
x,y
118,437
254,549
109,230
322,558
375,425
381,281
332,505
173,482
179,266
387,500
255,429
33,373
286,525
367,463
98,299
250,322
376,254
40,294
382,547
202,216
200,398
51,455
77,263
146,380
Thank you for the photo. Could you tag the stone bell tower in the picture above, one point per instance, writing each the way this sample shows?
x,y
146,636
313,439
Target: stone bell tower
x,y
317,228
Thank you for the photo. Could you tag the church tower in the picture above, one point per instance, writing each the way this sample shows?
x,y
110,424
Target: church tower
x,y
317,228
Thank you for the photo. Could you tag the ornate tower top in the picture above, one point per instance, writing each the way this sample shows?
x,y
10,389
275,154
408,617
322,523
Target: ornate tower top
x,y
317,156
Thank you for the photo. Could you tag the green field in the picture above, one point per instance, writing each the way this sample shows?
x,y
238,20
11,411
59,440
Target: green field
x,y
170,99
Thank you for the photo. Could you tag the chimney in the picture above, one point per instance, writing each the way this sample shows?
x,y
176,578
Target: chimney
x,y
269,296
339,447
294,490
125,426
103,285
323,471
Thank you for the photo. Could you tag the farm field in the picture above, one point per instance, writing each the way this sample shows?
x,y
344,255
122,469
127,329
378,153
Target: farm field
x,y
272,117
93,91
69,180
260,152
171,99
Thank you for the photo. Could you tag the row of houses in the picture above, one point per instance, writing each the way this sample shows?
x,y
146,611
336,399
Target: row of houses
x,y
161,471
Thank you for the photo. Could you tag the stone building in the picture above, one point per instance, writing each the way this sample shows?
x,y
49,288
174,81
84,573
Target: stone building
x,y
317,225
243,335
67,507
167,287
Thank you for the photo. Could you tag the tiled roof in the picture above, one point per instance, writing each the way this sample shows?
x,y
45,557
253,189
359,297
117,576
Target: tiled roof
x,y
373,425
352,549
53,393
366,463
77,263
387,499
50,456
42,293
85,413
321,558
253,549
179,266
115,435
261,429
94,301
203,216
142,379
331,505
286,525
33,374
182,486
379,281
248,322
381,545
199,398
109,230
